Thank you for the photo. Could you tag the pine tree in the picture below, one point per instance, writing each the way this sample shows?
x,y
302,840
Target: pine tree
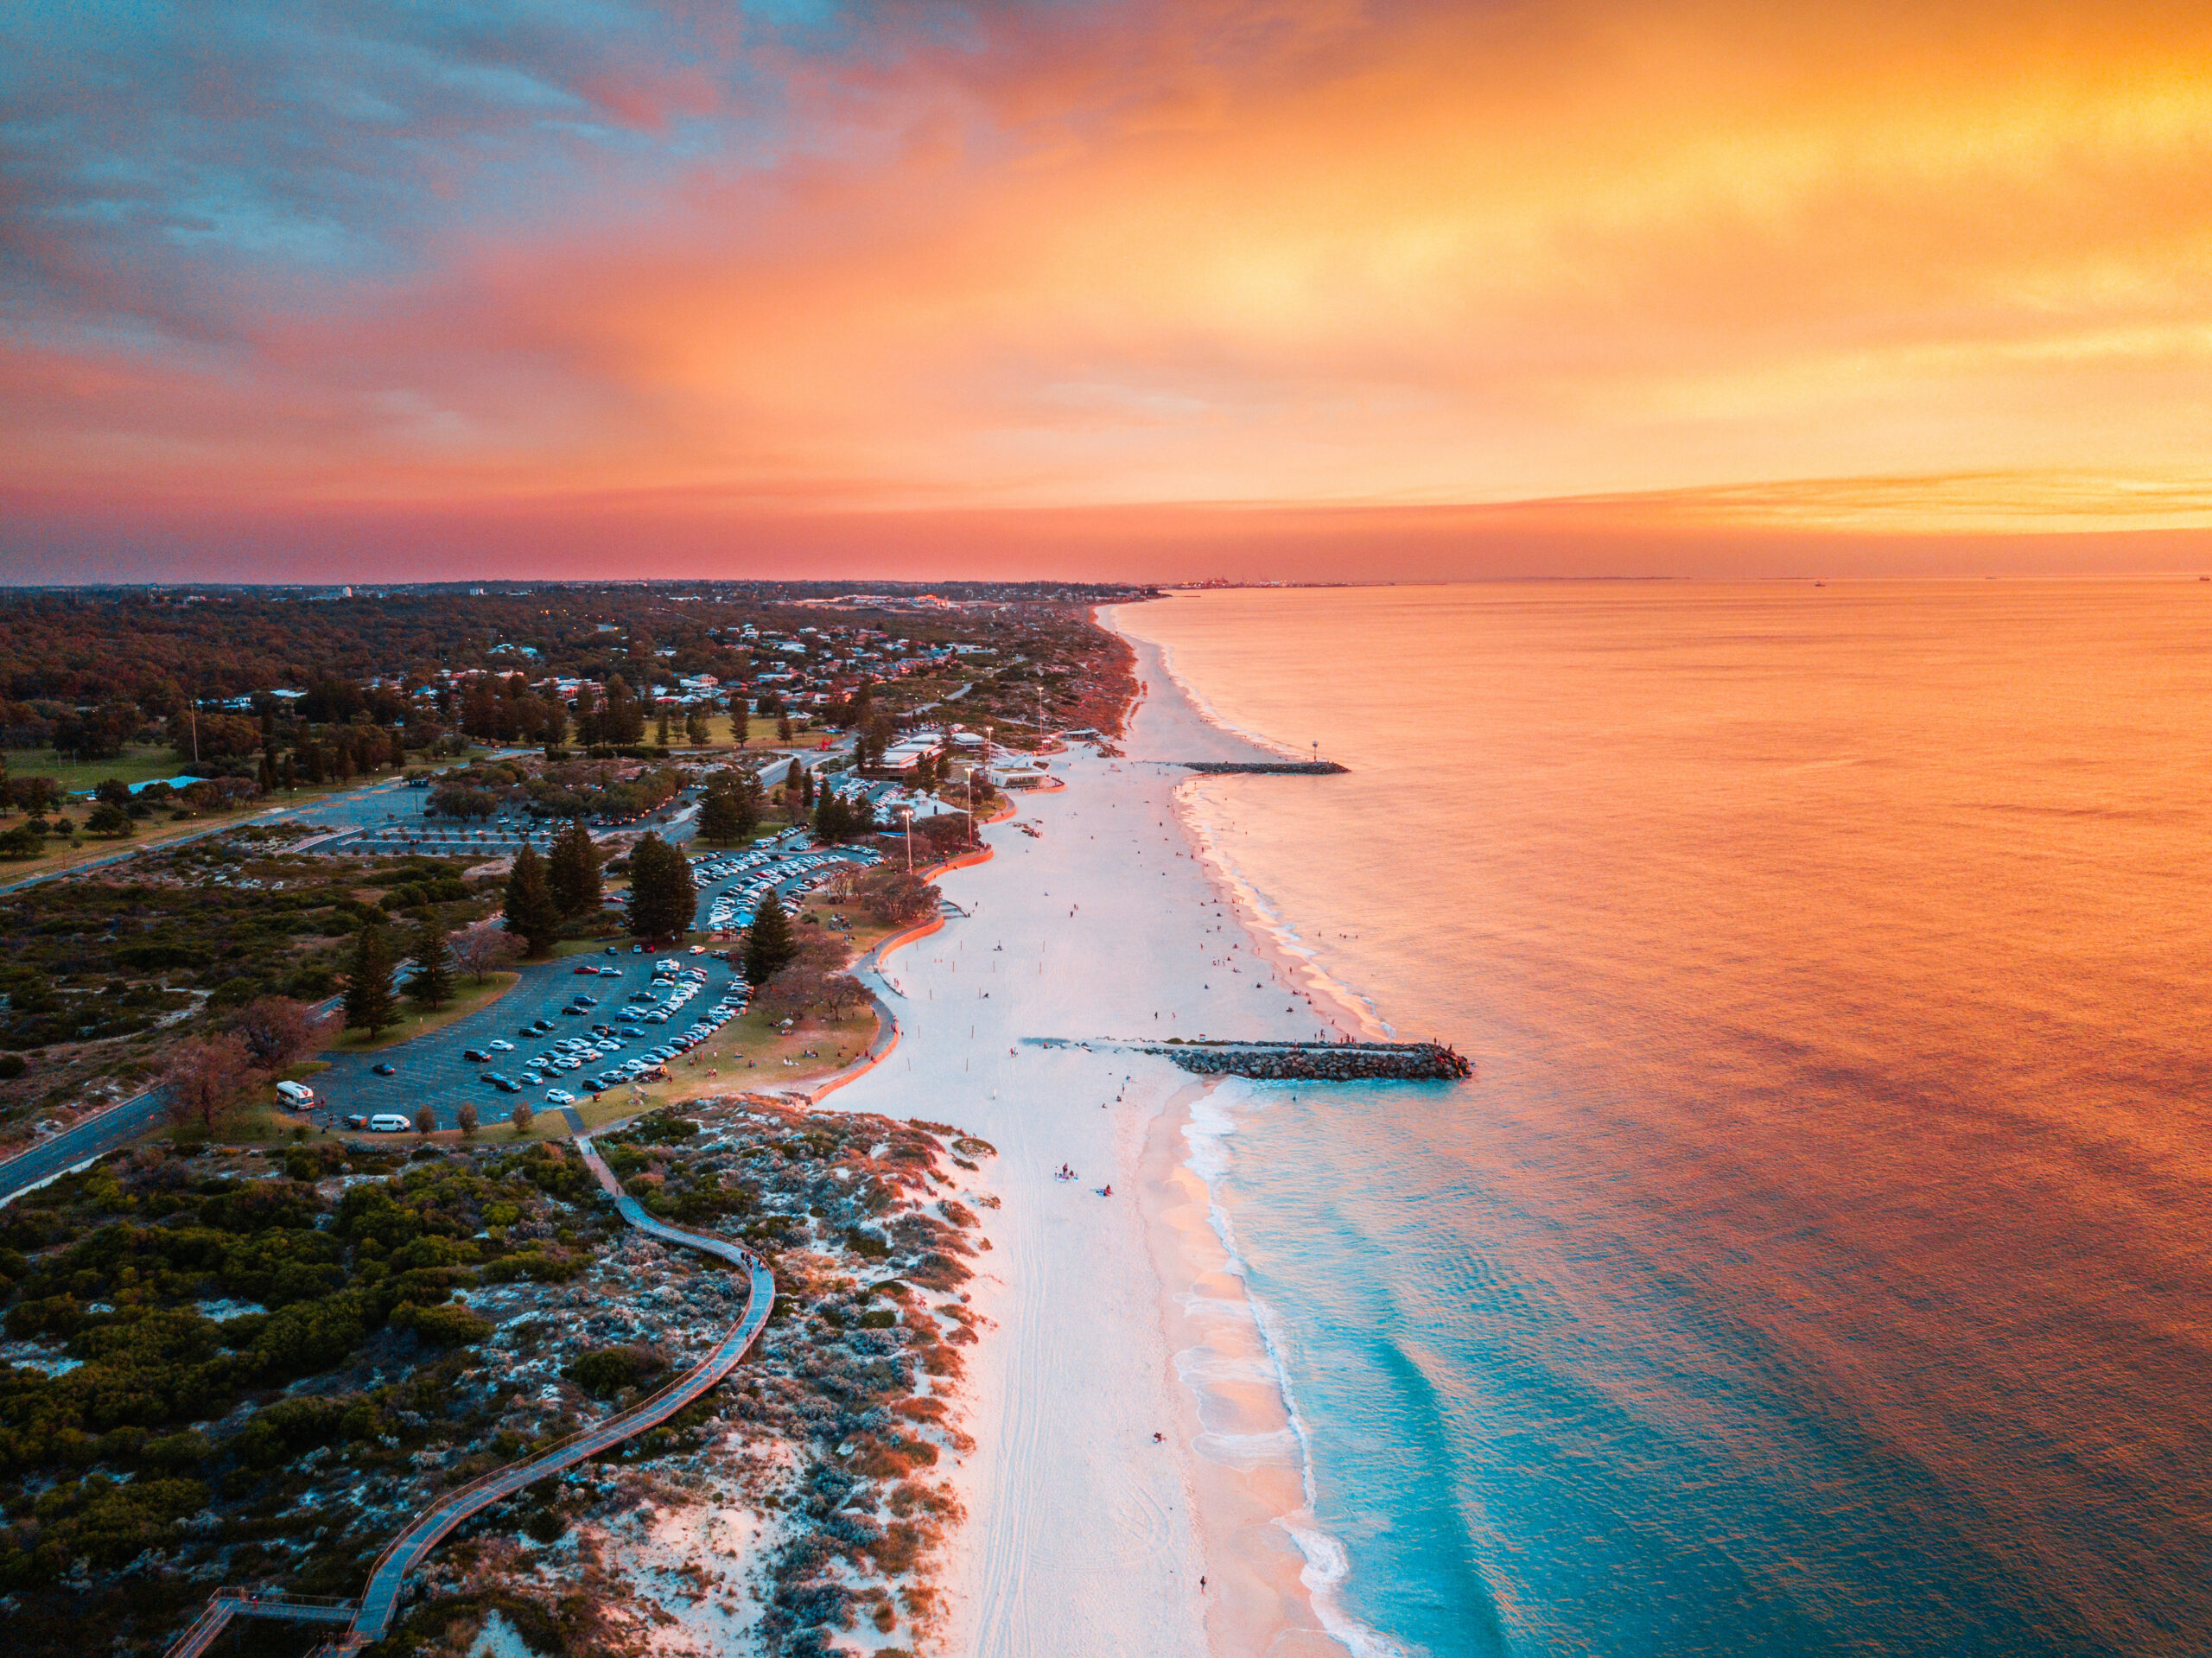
x,y
727,814
531,915
573,874
663,897
432,982
805,787
833,819
369,1003
769,945
660,732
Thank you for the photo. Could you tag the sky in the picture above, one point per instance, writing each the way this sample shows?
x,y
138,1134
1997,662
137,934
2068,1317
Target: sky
x,y
1267,289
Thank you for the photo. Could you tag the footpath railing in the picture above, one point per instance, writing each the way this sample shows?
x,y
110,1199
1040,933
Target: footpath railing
x,y
371,1616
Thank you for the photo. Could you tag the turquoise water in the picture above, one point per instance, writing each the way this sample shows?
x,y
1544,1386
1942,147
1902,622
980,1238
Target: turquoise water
x,y
1816,1262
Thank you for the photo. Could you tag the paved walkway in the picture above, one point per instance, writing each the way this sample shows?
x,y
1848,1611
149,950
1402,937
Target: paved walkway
x,y
372,1617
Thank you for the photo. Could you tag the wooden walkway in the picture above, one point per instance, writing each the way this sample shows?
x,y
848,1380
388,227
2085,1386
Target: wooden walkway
x,y
370,1617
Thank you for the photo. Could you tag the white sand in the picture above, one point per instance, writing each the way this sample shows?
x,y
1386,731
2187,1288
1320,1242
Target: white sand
x,y
1115,1318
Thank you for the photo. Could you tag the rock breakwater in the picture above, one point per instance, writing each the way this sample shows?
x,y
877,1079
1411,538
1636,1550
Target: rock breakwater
x,y
1333,1062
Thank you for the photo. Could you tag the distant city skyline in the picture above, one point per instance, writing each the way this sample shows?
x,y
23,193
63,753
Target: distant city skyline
x,y
1299,290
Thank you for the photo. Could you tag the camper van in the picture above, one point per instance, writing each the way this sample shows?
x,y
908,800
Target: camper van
x,y
389,1122
295,1097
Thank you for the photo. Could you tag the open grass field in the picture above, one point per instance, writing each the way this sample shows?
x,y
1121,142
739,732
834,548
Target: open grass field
x,y
133,765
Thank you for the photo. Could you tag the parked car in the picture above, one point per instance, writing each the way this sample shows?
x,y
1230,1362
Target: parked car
x,y
295,1095
559,1096
357,1121
476,1056
389,1122
387,1069
502,1045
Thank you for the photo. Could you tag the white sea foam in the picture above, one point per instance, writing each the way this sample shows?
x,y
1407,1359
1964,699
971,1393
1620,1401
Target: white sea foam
x,y
1213,1126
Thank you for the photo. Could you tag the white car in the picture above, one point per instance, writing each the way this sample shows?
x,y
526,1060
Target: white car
x,y
500,1045
559,1096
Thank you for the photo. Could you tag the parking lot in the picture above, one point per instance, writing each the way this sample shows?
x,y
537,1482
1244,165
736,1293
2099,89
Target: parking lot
x,y
432,1069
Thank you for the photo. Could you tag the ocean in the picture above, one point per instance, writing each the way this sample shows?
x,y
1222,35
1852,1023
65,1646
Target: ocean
x,y
1819,1259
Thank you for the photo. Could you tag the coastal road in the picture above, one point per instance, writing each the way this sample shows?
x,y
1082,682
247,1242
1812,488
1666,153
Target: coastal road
x,y
95,1137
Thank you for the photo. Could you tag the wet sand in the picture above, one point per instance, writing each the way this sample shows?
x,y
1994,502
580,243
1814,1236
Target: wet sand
x,y
1117,1319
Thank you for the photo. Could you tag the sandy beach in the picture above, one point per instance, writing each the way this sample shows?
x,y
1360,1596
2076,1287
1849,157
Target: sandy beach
x,y
1131,1438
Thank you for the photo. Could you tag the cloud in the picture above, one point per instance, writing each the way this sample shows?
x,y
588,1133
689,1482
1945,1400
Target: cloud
x,y
1066,257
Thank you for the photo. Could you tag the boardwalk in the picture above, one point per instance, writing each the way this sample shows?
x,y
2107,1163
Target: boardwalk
x,y
372,1617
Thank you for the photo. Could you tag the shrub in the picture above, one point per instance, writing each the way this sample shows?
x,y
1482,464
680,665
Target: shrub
x,y
607,1370
12,1066
450,1326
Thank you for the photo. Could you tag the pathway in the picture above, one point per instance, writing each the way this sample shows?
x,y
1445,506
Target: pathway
x,y
372,1617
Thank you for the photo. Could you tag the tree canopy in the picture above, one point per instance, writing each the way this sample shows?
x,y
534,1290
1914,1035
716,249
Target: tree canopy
x,y
769,945
371,1004
531,914
663,896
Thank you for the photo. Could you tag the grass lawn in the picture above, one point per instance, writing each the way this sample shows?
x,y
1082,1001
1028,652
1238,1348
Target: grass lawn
x,y
132,766
416,1021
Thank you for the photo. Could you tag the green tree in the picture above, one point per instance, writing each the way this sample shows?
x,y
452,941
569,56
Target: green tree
x,y
530,913
833,819
371,1004
769,945
730,812
432,982
520,1117
573,871
663,897
108,818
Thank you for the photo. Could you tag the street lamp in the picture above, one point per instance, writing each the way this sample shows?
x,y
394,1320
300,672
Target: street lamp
x,y
907,812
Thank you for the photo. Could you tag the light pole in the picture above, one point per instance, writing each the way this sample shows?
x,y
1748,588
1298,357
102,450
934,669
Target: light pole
x,y
907,812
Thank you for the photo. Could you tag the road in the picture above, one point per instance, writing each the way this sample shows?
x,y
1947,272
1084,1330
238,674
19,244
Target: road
x,y
350,809
110,1131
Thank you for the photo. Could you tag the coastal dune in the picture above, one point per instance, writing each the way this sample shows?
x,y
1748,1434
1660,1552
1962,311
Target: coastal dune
x,y
1131,1436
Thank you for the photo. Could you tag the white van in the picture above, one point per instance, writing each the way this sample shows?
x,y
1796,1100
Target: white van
x,y
389,1123
295,1096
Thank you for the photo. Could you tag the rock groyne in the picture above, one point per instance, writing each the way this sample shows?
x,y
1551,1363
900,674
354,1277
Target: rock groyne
x,y
1326,1062
1266,768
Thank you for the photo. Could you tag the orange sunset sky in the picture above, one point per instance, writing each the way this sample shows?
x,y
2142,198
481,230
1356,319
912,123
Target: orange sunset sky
x,y
1264,288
